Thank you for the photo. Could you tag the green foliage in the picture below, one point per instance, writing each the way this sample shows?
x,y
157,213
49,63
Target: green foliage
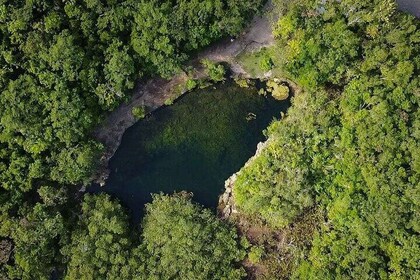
x,y
139,112
165,32
76,164
258,62
100,244
169,101
255,254
277,185
317,52
181,240
63,66
36,238
52,196
191,84
266,63
349,143
216,72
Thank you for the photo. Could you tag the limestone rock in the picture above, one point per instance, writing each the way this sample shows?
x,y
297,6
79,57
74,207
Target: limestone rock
x,y
225,198
226,211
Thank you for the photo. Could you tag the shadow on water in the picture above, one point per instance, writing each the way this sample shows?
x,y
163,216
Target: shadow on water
x,y
193,145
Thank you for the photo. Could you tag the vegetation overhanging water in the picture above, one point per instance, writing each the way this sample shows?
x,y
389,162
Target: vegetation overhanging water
x,y
193,145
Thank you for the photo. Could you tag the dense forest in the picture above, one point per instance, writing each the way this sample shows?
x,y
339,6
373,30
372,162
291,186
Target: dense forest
x,y
349,147
350,144
64,64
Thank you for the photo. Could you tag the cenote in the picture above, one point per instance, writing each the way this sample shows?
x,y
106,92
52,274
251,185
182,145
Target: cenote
x,y
193,145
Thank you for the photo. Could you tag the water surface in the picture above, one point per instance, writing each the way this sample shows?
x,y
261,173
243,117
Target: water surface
x,y
192,145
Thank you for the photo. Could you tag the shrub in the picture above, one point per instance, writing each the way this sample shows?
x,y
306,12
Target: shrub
x,y
256,254
266,63
182,240
191,84
139,112
216,72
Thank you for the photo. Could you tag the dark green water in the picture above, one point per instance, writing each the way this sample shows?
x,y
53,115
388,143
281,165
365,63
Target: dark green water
x,y
193,145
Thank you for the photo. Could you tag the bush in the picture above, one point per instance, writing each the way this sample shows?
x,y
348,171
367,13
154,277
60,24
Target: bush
x,y
216,72
266,63
350,142
191,84
169,101
182,240
139,112
256,254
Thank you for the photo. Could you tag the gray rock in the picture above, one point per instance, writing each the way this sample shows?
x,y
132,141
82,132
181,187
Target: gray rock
x,y
228,190
226,211
225,198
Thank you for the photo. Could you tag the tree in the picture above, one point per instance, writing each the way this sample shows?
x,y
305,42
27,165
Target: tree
x,y
63,66
181,240
355,153
100,244
76,164
216,72
36,238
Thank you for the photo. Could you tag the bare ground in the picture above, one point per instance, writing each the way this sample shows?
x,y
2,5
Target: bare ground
x,y
153,93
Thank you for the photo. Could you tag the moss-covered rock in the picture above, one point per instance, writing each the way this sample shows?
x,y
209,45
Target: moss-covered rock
x,y
278,91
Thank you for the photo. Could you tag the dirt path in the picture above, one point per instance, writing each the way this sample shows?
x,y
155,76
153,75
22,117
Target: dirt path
x,y
154,92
